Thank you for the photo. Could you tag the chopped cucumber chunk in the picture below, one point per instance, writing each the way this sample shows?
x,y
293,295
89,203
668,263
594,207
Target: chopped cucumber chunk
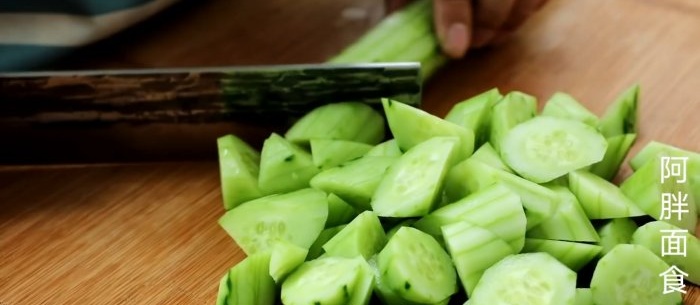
x,y
616,231
618,147
475,114
284,166
565,106
600,198
239,168
568,223
621,115
515,108
489,156
364,236
286,256
387,148
651,236
327,153
584,296
339,211
316,249
545,148
222,293
326,281
350,121
406,223
572,254
250,283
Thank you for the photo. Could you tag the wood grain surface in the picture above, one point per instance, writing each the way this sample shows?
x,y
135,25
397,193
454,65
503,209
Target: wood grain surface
x,y
148,233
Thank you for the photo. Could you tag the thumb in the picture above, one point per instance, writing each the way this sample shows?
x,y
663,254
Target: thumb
x,y
453,24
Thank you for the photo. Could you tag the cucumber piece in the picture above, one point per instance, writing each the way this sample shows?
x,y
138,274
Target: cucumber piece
x,y
572,254
488,155
385,294
651,236
364,236
316,249
413,185
285,257
616,231
250,283
239,168
645,189
412,126
388,148
545,148
222,292
496,209
630,274
405,223
339,211
284,167
565,106
470,176
618,147
356,181
475,114
526,279
621,116
600,198
568,223
416,268
297,217
584,296
473,250
327,153
364,287
350,121
327,281
515,108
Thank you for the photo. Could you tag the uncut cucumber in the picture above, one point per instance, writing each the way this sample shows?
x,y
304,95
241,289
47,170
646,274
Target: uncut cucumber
x,y
618,147
616,231
239,168
621,116
412,126
568,223
545,148
412,186
600,198
572,254
565,106
515,108
475,113
327,153
250,283
285,257
327,281
356,181
388,148
339,211
349,121
526,279
298,217
363,236
316,249
651,235
584,296
416,268
284,166
489,156
630,274
496,209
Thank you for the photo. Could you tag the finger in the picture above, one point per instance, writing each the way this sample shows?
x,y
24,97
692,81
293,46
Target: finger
x,y
394,5
453,20
521,12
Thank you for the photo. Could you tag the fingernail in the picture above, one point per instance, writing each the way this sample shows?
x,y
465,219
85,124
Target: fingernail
x,y
482,37
456,40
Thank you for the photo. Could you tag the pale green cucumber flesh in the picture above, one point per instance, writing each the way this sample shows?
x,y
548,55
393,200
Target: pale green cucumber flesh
x,y
489,156
545,148
600,198
326,281
618,147
568,223
362,293
339,211
222,292
363,236
388,148
412,185
526,279
651,236
631,275
250,283
621,115
239,165
616,231
565,106
284,166
584,296
297,217
572,254
285,257
327,153
350,121
515,108
316,249
475,114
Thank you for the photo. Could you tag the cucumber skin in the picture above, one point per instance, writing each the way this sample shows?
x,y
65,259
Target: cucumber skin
x,y
650,236
615,232
618,147
239,168
621,117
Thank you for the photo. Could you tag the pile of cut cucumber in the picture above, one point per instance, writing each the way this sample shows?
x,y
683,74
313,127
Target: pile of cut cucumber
x,y
496,203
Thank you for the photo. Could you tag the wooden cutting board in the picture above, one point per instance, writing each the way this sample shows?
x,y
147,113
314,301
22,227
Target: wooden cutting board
x,y
148,233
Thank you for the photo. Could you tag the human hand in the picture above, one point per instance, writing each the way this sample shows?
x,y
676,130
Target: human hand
x,y
464,24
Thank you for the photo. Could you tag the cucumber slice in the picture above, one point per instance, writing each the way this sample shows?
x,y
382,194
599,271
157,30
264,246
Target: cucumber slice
x,y
239,167
565,106
569,222
645,189
473,250
470,176
363,236
327,281
222,293
475,114
630,274
618,147
545,148
600,198
515,108
411,186
284,167
327,153
339,211
316,249
250,283
297,217
350,121
621,115
572,254
496,209
584,296
356,181
387,148
412,126
616,231
416,267
526,279
651,236
489,156
285,257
